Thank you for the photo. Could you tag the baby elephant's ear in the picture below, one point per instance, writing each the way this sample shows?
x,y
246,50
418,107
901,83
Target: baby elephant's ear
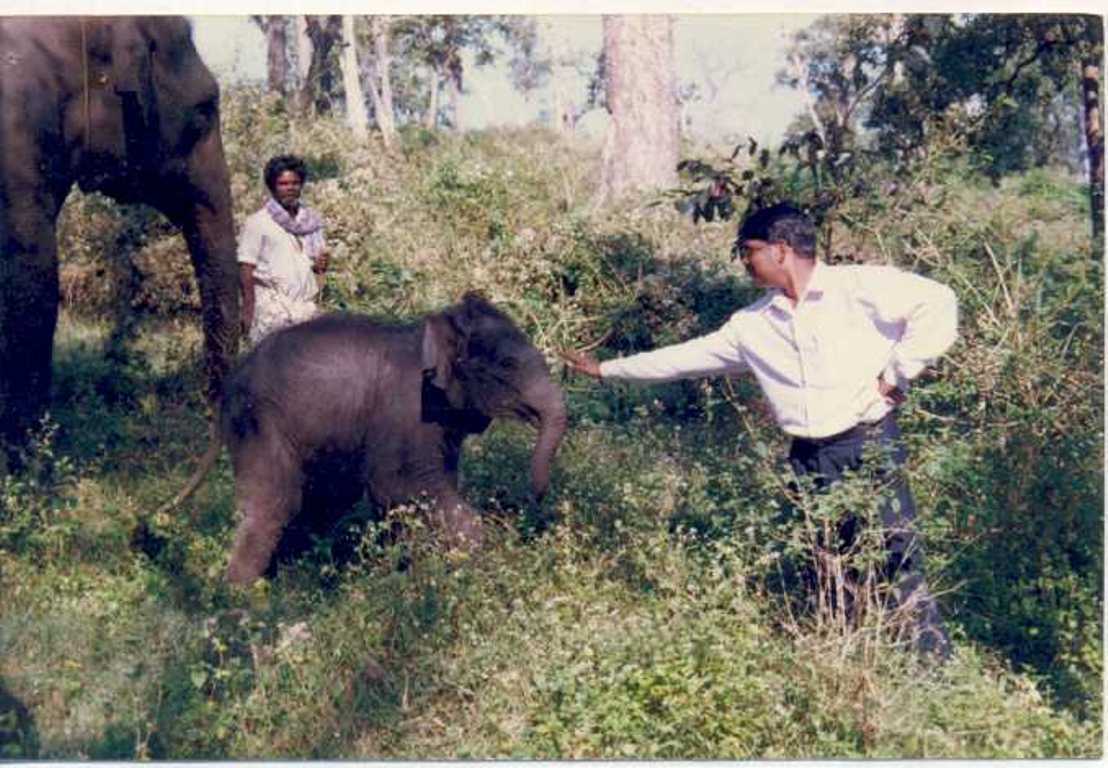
x,y
440,345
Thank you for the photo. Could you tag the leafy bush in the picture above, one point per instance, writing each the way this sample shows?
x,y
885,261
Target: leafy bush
x,y
36,504
640,611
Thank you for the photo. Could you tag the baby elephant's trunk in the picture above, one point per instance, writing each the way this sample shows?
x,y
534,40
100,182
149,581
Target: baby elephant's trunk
x,y
546,399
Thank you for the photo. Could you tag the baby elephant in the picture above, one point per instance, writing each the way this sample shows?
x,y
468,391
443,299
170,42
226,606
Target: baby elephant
x,y
344,401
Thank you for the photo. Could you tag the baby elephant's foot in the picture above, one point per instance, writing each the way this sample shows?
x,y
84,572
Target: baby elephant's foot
x,y
460,528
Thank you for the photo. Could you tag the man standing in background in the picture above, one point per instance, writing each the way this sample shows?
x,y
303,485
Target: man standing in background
x,y
281,251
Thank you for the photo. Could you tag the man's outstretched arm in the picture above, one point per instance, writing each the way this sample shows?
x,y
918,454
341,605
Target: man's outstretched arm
x,y
711,355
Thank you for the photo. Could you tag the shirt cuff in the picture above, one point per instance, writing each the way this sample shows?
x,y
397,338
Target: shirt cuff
x,y
899,373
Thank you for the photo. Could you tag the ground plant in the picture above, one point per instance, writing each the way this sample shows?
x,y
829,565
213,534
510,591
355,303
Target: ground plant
x,y
672,597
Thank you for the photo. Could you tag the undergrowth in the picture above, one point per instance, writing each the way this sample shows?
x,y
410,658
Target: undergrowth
x,y
662,614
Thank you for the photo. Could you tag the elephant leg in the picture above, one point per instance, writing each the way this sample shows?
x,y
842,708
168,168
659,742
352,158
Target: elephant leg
x,y
268,490
28,317
456,523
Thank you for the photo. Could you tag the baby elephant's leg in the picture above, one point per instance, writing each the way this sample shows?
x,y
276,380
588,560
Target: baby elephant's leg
x,y
268,488
456,523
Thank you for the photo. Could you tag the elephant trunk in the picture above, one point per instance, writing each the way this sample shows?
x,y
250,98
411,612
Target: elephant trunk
x,y
209,230
546,399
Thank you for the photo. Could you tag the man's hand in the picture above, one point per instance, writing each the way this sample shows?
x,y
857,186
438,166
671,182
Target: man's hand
x,y
892,395
319,266
581,362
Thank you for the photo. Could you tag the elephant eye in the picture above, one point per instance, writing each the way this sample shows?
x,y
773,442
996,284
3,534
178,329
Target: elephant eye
x,y
508,363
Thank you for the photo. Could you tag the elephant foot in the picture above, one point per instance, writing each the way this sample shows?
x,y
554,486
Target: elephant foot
x,y
255,542
460,528
250,557
242,574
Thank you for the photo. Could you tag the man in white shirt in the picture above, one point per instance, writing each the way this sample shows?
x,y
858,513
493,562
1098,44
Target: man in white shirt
x,y
833,348
281,251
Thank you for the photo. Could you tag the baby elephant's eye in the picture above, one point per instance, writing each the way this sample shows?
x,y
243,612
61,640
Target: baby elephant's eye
x,y
508,363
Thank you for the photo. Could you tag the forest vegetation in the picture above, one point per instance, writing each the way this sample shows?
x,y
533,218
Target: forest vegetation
x,y
652,606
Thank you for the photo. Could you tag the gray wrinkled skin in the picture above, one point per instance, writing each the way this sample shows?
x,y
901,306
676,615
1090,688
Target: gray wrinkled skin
x,y
341,405
120,105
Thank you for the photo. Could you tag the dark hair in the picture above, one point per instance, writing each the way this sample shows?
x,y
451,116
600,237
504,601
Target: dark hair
x,y
784,223
281,163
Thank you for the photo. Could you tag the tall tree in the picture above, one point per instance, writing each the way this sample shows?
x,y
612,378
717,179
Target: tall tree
x,y
597,89
379,78
1094,138
839,63
542,54
356,116
1002,84
1013,78
317,90
431,117
303,51
275,29
553,60
641,147
453,67
438,42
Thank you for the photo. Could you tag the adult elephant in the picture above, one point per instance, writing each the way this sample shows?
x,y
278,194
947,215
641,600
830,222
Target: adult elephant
x,y
123,106
342,406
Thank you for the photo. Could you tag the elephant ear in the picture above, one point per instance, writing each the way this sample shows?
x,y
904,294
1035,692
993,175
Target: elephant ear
x,y
443,341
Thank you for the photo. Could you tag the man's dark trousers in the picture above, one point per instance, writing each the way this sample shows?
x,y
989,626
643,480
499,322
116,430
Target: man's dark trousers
x,y
826,460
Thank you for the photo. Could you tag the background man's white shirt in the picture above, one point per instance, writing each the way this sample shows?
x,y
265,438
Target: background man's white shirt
x,y
280,261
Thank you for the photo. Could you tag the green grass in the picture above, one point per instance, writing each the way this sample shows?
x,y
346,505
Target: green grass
x,y
649,620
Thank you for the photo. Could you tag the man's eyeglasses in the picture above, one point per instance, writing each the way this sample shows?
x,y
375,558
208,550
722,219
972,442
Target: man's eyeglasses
x,y
744,251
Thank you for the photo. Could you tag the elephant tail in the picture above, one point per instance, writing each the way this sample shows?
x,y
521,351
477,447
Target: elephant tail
x,y
207,461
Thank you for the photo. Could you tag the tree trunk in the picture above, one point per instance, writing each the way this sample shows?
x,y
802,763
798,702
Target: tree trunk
x,y
640,151
305,96
562,111
277,60
556,49
800,71
380,83
316,91
356,116
432,116
303,51
1094,139
454,93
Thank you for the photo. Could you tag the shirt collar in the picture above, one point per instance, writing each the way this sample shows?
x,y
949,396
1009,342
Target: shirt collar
x,y
817,284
